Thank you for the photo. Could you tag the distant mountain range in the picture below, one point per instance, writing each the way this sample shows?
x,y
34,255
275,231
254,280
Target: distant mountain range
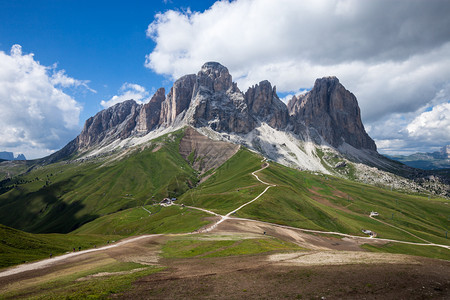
x,y
10,156
426,161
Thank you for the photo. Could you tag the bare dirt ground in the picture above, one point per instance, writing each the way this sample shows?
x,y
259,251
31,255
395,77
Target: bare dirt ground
x,y
253,277
334,268
305,240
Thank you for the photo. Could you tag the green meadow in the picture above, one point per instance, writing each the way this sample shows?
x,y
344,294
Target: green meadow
x,y
91,201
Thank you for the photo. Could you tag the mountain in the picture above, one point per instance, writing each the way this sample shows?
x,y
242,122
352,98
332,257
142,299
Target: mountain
x,y
333,112
426,161
210,101
10,156
319,131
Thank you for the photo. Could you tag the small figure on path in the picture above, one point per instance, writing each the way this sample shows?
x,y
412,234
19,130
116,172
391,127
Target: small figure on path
x,y
79,248
51,255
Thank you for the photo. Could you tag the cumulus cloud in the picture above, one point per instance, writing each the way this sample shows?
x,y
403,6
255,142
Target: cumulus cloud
x,y
128,91
393,55
36,116
432,126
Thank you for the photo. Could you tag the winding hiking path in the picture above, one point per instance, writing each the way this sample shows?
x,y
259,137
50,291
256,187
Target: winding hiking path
x,y
227,216
50,261
344,234
269,185
401,230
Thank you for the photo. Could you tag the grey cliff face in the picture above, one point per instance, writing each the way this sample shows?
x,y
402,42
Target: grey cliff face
x,y
214,77
150,112
333,112
178,99
218,103
116,122
263,102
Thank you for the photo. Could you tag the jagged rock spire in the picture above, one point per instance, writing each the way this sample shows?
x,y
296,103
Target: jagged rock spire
x,y
333,112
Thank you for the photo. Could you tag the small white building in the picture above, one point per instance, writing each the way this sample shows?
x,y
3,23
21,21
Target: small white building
x,y
369,232
166,202
374,214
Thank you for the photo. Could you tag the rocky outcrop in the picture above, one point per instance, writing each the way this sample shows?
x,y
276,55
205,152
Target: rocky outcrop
x,y
150,112
218,103
214,77
177,100
333,112
116,122
10,156
264,104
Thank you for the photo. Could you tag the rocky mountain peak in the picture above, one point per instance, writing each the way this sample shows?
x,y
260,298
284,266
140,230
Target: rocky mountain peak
x,y
217,102
333,112
214,77
178,99
10,156
117,121
211,99
263,102
150,112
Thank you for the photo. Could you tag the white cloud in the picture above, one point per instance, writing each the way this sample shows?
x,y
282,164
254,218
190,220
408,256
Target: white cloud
x,y
393,55
425,130
36,116
432,126
128,91
59,78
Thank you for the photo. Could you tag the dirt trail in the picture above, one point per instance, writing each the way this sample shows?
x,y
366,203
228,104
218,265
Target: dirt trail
x,y
403,230
227,216
55,260
209,228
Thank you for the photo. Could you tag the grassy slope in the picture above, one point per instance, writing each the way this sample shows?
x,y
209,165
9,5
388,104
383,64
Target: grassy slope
x,y
328,203
134,221
230,186
61,197
317,202
220,246
17,246
68,283
431,251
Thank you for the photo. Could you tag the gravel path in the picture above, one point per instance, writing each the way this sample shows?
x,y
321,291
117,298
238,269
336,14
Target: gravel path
x,y
51,261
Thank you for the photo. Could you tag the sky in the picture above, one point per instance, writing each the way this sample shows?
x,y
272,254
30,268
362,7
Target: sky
x,y
61,62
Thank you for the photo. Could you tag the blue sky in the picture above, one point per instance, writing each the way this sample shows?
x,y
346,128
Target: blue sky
x,y
63,61
101,41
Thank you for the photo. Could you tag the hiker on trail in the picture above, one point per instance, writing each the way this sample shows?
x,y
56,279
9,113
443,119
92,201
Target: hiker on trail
x,y
50,255
264,233
73,249
79,248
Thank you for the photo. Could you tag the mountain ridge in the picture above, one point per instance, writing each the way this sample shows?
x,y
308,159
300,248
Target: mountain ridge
x,y
211,99
319,131
427,161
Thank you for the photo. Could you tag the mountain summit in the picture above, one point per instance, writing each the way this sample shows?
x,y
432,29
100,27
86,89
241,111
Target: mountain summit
x,y
333,111
211,99
326,116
